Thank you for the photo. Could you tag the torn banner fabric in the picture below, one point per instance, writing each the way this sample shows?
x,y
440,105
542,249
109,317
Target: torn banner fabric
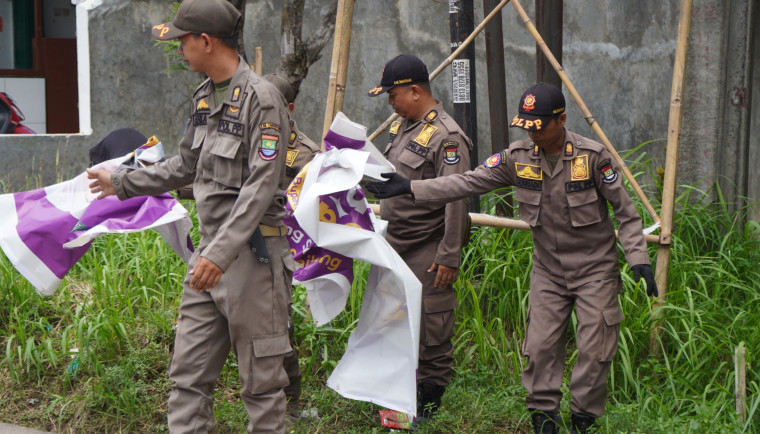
x,y
330,224
44,232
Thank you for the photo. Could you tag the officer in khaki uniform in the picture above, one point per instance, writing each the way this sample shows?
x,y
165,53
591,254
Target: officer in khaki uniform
x,y
234,147
426,143
564,183
301,149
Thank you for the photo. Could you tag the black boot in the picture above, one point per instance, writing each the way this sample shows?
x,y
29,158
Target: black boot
x,y
580,423
544,422
428,400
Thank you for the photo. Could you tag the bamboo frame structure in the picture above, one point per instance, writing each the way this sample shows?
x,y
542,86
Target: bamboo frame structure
x,y
339,64
671,163
448,61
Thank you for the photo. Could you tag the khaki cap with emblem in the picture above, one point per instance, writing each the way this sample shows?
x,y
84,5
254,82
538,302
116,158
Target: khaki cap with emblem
x,y
216,18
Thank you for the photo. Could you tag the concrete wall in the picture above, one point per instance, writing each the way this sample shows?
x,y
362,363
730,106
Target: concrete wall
x,y
619,56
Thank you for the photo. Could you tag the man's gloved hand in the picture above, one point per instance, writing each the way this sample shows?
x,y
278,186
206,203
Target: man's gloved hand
x,y
645,271
396,185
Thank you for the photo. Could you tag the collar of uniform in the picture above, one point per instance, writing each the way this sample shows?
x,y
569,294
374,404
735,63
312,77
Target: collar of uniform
x,y
439,114
239,81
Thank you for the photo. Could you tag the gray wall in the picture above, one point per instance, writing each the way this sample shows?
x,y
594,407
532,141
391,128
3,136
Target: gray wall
x,y
619,56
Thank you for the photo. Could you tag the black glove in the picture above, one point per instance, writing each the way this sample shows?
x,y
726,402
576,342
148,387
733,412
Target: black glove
x,y
645,271
396,185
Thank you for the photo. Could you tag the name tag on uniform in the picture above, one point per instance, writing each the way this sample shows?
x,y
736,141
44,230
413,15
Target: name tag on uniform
x,y
417,148
229,127
572,187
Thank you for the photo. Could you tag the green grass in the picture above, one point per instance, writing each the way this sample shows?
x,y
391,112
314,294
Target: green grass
x,y
93,357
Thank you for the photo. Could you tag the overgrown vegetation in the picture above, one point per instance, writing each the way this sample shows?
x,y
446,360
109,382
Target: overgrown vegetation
x,y
93,357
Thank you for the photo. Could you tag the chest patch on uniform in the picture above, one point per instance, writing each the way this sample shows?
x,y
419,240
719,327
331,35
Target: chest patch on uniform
x,y
202,106
572,187
431,116
200,117
450,155
528,171
229,127
290,157
424,136
493,161
579,168
268,148
528,184
417,149
609,174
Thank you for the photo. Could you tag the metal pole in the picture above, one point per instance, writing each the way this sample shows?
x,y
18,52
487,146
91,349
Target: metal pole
x,y
549,24
446,62
497,93
461,24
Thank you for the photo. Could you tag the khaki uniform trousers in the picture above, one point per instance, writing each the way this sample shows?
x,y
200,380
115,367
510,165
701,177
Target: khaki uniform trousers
x,y
437,318
248,311
599,317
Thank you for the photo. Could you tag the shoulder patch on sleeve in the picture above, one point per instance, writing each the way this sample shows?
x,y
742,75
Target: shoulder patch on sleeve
x,y
494,160
450,155
608,173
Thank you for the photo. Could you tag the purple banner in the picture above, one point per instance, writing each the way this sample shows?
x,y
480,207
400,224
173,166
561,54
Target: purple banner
x,y
339,208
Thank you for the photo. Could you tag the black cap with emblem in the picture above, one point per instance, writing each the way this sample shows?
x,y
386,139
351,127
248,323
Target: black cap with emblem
x,y
402,70
538,104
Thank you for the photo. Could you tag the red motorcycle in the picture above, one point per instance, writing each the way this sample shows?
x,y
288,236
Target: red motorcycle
x,y
11,117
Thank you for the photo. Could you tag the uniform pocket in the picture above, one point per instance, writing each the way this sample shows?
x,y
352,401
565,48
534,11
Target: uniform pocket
x,y
584,208
198,138
267,372
413,162
227,170
438,318
530,205
612,319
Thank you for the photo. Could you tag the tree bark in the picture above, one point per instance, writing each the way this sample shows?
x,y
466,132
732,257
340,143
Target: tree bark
x,y
240,6
298,55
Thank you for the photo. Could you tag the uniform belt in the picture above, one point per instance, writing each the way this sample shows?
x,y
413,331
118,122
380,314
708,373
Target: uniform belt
x,y
273,231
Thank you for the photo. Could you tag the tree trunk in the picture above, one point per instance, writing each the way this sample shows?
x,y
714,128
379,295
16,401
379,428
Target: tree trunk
x,y
296,55
240,6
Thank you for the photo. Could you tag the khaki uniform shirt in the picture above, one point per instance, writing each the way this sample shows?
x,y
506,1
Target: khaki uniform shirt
x,y
433,147
301,150
231,152
573,235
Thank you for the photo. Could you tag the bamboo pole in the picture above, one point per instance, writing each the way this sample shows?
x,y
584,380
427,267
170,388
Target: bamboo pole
x,y
589,118
339,64
479,219
448,60
671,166
259,59
740,381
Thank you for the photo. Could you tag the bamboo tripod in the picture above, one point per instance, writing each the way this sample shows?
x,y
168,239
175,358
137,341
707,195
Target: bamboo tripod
x,y
665,220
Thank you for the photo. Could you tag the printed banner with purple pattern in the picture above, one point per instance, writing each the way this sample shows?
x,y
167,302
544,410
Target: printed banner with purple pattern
x,y
44,232
330,224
